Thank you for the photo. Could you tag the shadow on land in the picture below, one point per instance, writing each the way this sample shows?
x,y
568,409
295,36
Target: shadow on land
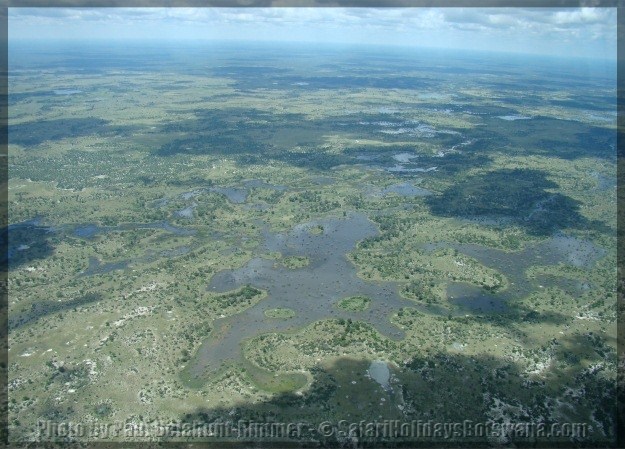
x,y
36,132
40,309
436,386
520,194
26,242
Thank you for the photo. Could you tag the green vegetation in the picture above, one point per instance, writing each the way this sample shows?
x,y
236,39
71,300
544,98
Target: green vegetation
x,y
295,262
128,198
318,229
523,195
354,303
245,294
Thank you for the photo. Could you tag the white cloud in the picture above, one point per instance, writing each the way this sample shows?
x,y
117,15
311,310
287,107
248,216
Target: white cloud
x,y
520,29
580,16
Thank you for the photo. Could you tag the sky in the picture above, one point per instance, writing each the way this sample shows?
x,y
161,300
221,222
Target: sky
x,y
589,32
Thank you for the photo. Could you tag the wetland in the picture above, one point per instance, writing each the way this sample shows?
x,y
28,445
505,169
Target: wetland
x,y
310,234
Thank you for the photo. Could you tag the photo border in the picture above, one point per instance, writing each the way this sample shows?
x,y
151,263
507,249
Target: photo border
x,y
620,281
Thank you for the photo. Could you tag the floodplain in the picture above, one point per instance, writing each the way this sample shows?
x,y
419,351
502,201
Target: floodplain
x,y
229,232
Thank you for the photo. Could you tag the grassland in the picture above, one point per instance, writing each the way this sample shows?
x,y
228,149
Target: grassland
x,y
130,150
354,303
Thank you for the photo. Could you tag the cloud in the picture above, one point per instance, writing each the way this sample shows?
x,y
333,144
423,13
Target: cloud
x,y
579,27
486,17
520,17
582,16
